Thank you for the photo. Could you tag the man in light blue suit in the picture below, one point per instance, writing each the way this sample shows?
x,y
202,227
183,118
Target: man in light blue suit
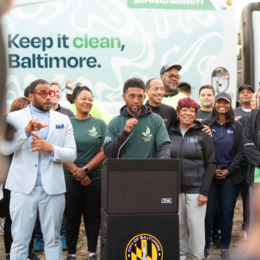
x,y
43,141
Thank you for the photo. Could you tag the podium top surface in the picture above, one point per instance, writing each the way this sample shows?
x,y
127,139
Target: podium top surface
x,y
142,164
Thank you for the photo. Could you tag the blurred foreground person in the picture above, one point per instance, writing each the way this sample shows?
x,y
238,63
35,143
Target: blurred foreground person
x,y
83,177
228,142
44,139
196,151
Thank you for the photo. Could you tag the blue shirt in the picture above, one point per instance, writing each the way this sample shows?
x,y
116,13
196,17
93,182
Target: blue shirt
x,y
44,118
223,139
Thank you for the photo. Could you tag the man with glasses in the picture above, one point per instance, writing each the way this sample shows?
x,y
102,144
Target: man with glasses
x,y
170,77
43,141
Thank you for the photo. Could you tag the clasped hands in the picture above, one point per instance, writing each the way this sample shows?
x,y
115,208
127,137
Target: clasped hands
x,y
80,175
221,174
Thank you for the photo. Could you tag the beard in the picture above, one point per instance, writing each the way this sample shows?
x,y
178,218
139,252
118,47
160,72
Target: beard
x,y
40,106
131,110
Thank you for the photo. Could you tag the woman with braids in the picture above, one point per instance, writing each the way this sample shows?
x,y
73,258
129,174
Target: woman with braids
x,y
83,177
197,164
228,141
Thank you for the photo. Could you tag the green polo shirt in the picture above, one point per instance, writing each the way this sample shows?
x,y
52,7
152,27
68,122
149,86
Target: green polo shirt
x,y
149,133
89,136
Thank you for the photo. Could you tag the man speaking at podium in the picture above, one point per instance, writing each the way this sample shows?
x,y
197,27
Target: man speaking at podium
x,y
136,132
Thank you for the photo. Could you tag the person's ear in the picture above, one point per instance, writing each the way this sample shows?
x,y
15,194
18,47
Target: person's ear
x,y
31,97
124,97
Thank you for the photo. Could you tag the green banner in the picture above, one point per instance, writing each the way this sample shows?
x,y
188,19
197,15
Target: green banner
x,y
172,4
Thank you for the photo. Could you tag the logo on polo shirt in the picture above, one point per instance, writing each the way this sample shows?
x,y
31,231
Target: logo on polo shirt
x,y
147,135
93,132
230,132
144,246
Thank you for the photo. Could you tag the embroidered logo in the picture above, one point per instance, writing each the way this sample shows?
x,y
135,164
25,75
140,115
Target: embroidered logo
x,y
192,140
147,135
230,132
107,139
60,126
93,132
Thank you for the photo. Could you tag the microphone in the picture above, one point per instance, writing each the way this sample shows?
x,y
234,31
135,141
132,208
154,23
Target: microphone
x,y
135,115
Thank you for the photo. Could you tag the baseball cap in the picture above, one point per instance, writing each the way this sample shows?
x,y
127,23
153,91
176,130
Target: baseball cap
x,y
70,86
246,86
223,95
169,66
184,83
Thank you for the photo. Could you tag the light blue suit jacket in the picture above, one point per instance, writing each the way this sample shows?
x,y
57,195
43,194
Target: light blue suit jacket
x,y
23,171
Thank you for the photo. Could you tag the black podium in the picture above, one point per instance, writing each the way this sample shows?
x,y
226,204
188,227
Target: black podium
x,y
139,212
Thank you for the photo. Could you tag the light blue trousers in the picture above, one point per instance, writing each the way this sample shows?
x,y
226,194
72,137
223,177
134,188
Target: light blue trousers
x,y
23,211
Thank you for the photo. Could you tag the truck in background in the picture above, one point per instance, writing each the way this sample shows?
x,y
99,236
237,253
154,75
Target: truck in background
x,y
103,43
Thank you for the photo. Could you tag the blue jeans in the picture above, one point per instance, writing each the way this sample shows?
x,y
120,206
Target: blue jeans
x,y
225,193
38,231
244,187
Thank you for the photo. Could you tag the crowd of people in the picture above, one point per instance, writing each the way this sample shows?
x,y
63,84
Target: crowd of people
x,y
57,158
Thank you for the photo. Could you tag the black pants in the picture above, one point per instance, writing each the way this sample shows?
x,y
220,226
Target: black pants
x,y
8,222
84,200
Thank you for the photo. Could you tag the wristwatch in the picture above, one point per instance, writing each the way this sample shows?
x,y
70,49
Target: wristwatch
x,y
86,169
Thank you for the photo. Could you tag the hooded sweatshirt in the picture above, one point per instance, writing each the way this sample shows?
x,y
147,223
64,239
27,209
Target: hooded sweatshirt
x,y
149,137
197,158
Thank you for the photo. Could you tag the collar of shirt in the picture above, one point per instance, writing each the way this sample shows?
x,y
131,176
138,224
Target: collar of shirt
x,y
36,110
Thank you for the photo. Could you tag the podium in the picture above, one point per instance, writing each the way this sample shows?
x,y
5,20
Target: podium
x,y
139,209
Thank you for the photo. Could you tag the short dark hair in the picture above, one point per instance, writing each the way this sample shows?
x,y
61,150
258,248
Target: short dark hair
x,y
26,91
34,84
208,87
185,88
79,89
134,83
148,83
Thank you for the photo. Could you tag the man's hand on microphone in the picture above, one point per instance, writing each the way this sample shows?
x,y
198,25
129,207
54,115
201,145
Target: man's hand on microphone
x,y
34,125
40,144
130,124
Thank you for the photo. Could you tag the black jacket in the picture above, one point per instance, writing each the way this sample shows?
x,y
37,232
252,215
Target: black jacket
x,y
197,158
111,149
251,136
237,151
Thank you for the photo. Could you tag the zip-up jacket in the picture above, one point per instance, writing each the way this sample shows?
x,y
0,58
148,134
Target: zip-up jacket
x,y
237,151
197,158
251,136
148,138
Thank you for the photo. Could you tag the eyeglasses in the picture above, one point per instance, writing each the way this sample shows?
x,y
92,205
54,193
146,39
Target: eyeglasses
x,y
172,76
44,94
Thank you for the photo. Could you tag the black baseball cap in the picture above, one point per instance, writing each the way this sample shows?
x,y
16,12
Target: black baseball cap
x,y
184,83
246,86
223,95
169,66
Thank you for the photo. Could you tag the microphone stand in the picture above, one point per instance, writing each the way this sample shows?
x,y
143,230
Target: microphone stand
x,y
119,150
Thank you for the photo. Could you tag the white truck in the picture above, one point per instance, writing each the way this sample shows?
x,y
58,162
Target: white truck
x,y
103,43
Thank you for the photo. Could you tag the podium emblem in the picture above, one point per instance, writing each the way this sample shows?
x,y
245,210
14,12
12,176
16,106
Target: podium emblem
x,y
144,247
